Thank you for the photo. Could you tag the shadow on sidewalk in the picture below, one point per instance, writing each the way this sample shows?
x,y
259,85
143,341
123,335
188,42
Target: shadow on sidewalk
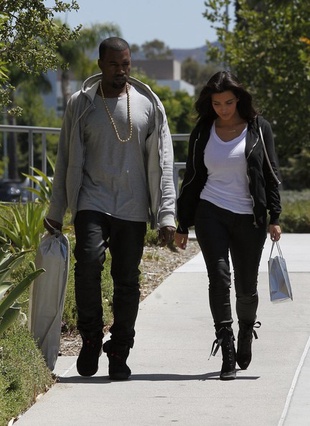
x,y
152,378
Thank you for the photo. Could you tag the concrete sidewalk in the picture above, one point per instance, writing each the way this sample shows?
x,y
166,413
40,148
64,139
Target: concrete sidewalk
x,y
172,379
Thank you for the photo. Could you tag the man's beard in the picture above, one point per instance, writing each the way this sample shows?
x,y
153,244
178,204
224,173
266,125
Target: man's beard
x,y
120,83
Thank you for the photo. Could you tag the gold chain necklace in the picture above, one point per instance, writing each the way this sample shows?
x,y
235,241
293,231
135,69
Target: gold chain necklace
x,y
112,120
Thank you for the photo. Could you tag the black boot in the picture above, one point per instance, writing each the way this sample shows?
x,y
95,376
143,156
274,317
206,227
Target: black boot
x,y
244,348
87,362
118,369
225,340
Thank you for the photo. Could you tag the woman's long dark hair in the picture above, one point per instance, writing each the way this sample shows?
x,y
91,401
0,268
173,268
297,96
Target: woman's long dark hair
x,y
221,82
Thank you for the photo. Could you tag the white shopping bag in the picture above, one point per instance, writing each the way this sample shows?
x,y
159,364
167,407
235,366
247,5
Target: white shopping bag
x,y
47,295
279,282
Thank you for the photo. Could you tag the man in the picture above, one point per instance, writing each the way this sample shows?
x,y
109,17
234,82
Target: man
x,y
114,171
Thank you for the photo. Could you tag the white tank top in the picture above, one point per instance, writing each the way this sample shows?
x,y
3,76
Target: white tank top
x,y
227,185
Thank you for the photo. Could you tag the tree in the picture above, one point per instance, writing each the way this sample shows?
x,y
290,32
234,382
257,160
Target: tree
x,y
28,48
179,109
156,49
35,114
32,84
197,74
75,55
3,67
29,36
191,71
267,51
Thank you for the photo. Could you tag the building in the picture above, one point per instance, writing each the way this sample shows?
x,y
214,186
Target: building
x,y
166,72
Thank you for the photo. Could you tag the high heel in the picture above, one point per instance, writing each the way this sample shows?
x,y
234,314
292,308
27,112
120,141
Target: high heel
x,y
244,346
225,340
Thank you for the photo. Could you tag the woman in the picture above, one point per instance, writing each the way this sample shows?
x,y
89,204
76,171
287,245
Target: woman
x,y
227,190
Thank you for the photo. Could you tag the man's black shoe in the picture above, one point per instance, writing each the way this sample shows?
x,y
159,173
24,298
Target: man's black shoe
x,y
118,369
87,362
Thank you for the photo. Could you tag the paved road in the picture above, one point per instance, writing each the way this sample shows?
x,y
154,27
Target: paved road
x,y
173,382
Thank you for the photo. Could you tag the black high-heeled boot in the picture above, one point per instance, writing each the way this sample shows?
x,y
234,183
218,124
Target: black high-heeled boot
x,y
244,347
225,339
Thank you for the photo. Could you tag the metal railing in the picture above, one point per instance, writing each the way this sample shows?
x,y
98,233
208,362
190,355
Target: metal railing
x,y
32,130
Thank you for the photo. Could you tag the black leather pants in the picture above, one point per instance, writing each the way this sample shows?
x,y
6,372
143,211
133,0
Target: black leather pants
x,y
220,232
94,231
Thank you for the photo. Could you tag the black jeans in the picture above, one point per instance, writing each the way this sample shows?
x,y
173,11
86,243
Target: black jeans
x,y
219,232
125,240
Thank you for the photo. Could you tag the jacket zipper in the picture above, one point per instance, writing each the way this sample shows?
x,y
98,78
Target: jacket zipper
x,y
194,174
79,186
252,148
249,179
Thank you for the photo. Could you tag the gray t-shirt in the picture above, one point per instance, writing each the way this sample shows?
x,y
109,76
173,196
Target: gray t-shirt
x,y
115,180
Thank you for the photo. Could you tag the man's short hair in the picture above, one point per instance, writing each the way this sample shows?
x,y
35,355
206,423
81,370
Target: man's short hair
x,y
113,43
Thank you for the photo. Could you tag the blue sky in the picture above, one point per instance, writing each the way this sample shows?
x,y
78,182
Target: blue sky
x,y
178,23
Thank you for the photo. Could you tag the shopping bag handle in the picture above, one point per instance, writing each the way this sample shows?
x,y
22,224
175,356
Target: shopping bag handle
x,y
278,248
51,229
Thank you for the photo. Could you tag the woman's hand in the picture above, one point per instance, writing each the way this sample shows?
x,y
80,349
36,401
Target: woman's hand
x,y
181,240
275,232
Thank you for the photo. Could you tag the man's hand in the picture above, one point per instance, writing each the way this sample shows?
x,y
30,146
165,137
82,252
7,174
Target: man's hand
x,y
166,235
52,226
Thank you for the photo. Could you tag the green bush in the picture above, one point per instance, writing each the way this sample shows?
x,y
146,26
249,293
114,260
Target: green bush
x,y
42,187
23,373
296,173
151,236
22,224
295,217
10,289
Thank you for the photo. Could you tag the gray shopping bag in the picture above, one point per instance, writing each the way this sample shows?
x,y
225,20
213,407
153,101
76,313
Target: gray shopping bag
x,y
47,295
279,282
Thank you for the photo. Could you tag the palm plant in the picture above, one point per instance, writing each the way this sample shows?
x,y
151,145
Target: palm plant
x,y
10,308
23,224
43,186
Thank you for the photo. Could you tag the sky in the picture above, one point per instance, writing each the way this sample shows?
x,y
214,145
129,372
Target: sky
x,y
178,23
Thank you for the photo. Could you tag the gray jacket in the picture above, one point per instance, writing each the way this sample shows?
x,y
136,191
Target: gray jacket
x,y
71,154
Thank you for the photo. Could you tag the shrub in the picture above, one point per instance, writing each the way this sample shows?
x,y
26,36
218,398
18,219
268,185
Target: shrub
x,y
10,291
42,184
22,224
295,217
23,373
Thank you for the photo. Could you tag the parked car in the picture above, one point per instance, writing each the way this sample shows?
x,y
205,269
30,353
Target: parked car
x,y
12,191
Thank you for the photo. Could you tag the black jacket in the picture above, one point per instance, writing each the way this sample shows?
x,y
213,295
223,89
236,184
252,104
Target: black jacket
x,y
262,184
